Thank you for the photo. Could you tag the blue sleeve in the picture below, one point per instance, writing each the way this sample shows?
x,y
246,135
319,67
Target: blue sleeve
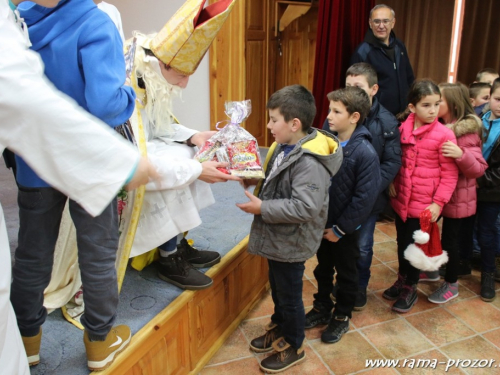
x,y
101,54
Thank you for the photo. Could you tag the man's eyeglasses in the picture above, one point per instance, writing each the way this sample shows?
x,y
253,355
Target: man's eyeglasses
x,y
385,22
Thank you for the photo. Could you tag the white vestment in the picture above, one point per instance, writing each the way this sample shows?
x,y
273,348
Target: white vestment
x,y
67,147
172,205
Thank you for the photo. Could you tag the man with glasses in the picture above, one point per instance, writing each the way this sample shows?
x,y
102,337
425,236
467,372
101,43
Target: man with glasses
x,y
388,55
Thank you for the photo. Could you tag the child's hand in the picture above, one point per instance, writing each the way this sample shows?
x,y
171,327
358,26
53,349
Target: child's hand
x,y
451,150
435,210
329,234
252,207
392,190
200,138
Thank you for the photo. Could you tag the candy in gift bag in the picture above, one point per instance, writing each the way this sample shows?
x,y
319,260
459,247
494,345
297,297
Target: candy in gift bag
x,y
234,144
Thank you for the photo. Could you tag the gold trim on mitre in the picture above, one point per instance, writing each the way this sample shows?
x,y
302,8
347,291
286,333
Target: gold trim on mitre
x,y
184,40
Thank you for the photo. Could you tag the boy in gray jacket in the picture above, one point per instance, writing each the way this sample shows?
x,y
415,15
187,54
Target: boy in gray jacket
x,y
290,207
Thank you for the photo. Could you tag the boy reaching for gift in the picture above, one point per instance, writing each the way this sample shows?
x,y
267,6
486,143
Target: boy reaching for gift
x,y
290,207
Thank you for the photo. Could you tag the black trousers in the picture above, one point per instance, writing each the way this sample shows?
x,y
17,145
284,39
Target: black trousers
x,y
342,256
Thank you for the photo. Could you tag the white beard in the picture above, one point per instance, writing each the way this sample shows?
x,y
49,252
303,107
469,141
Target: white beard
x,y
159,95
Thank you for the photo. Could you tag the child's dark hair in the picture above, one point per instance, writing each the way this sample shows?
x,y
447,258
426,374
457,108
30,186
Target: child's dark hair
x,y
479,74
365,70
294,101
476,87
495,86
354,99
418,90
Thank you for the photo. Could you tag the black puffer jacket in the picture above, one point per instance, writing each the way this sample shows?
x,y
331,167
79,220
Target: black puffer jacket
x,y
355,187
394,71
384,130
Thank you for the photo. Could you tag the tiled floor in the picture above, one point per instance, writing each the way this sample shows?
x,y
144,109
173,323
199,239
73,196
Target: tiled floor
x,y
465,328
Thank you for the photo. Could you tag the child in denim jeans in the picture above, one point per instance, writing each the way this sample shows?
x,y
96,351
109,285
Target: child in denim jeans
x,y
290,207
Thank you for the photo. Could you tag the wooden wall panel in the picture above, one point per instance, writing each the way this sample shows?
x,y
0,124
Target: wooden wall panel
x,y
227,64
257,67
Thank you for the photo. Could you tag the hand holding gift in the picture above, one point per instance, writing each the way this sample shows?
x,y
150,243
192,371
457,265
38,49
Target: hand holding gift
x,y
234,145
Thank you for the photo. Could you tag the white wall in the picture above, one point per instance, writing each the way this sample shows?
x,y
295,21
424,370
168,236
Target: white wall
x,y
148,16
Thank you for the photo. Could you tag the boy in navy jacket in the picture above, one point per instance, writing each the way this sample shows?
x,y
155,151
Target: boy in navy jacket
x,y
353,192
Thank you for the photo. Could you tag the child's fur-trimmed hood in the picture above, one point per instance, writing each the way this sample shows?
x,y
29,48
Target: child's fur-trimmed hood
x,y
468,125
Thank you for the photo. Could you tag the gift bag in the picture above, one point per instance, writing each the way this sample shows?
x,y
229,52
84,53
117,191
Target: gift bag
x,y
234,145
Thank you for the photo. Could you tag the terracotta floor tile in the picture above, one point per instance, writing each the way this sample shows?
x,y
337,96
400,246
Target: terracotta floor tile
x,y
262,308
254,328
382,277
348,355
379,236
311,365
251,366
308,291
388,229
374,312
474,348
473,283
379,371
493,337
478,314
396,339
423,367
310,266
386,251
236,346
393,266
440,326
375,261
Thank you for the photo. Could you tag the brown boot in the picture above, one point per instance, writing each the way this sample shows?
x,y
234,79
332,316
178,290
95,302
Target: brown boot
x,y
264,343
284,358
32,347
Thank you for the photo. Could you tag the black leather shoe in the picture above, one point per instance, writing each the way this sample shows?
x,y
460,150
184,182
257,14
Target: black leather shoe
x,y
198,258
264,343
464,268
336,328
175,270
361,300
316,318
407,298
284,358
488,286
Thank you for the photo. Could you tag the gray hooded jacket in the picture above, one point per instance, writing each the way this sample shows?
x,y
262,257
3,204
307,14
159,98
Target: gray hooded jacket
x,y
295,199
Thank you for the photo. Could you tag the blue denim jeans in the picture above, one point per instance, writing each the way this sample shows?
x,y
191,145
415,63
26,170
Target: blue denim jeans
x,y
487,234
365,243
477,249
286,289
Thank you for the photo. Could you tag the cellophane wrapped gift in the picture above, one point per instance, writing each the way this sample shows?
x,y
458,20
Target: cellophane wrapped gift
x,y
234,145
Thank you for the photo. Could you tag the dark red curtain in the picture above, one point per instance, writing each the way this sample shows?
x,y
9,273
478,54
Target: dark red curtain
x,y
342,25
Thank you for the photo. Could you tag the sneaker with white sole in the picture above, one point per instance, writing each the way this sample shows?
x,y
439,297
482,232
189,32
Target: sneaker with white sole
x,y
429,276
446,292
32,347
101,354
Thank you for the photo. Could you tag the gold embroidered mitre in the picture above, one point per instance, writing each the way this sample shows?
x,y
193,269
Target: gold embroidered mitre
x,y
184,40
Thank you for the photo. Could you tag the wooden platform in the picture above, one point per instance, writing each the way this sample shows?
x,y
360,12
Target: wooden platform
x,y
183,337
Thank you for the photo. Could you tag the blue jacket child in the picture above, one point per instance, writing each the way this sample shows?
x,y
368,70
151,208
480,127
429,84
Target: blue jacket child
x,y
83,56
82,52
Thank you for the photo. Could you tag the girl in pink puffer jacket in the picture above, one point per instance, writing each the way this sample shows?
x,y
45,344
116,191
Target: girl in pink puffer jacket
x,y
426,180
459,214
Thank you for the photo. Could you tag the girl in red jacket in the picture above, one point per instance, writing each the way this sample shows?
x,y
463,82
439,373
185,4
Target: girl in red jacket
x,y
459,213
426,180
